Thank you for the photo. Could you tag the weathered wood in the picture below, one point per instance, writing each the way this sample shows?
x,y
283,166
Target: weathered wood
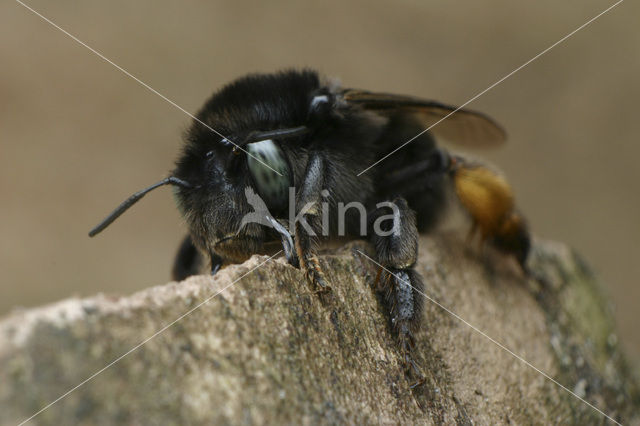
x,y
267,351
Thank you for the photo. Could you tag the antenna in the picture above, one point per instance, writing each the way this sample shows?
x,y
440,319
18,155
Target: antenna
x,y
171,180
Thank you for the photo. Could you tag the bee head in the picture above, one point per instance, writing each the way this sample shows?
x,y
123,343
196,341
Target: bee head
x,y
265,122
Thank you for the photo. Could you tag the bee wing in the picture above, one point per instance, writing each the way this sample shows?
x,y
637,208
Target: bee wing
x,y
464,127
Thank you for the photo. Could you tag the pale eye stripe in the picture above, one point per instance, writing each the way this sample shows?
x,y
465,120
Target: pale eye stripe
x,y
269,184
266,152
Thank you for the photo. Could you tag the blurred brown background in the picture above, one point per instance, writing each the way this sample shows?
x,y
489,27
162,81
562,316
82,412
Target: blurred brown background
x,y
77,135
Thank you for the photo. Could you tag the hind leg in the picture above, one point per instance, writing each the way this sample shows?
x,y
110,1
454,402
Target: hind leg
x,y
395,237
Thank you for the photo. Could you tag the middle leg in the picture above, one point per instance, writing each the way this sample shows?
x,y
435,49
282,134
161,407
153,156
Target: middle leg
x,y
395,237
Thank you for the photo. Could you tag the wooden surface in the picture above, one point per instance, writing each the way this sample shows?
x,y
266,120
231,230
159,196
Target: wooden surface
x,y
266,351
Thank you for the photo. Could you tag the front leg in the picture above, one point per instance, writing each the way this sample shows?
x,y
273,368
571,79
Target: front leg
x,y
307,224
394,235
215,262
189,261
287,242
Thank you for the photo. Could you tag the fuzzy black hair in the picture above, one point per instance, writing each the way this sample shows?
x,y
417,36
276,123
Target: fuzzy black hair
x,y
261,101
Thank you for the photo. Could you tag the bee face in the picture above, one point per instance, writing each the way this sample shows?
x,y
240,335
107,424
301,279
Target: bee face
x,y
220,169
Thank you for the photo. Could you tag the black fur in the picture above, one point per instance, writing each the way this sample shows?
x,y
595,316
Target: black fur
x,y
188,261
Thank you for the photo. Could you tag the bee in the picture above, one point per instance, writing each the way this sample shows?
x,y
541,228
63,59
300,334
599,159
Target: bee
x,y
294,142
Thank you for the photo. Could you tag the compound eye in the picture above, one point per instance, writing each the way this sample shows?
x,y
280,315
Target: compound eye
x,y
271,186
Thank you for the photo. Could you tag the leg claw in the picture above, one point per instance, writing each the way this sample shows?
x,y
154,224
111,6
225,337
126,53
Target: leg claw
x,y
421,381
323,290
412,367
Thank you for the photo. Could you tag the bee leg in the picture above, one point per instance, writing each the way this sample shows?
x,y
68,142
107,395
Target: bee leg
x,y
396,246
215,262
405,307
188,260
307,224
305,246
287,242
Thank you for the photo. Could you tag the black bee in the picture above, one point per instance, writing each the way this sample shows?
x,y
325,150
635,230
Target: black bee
x,y
295,130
